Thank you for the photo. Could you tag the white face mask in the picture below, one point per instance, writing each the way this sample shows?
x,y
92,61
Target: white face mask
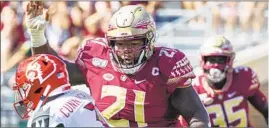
x,y
215,75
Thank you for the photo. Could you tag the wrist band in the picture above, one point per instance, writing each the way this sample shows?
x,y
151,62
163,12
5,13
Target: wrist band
x,y
37,37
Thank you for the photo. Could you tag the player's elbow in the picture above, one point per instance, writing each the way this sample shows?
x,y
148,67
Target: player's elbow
x,y
265,113
190,107
200,119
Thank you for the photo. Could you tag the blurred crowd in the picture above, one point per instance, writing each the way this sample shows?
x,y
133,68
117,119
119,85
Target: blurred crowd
x,y
249,16
71,21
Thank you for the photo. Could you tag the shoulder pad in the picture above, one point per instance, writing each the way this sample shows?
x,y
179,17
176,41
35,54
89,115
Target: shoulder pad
x,y
249,75
90,48
95,41
92,45
245,71
242,69
41,118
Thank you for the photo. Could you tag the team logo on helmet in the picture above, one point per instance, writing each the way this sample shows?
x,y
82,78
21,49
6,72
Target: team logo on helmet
x,y
34,69
142,24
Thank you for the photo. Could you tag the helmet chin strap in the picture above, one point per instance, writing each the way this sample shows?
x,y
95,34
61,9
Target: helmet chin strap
x,y
141,57
130,69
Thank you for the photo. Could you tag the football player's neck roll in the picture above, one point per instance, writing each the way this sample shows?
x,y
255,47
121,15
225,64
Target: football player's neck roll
x,y
218,85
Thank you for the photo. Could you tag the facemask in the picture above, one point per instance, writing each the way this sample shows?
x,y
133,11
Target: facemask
x,y
215,75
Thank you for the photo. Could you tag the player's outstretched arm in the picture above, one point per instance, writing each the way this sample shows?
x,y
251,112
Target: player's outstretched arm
x,y
259,101
36,24
255,95
187,102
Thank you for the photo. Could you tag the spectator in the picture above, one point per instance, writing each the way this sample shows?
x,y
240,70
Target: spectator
x,y
22,53
58,29
69,48
251,17
77,22
191,5
12,34
153,6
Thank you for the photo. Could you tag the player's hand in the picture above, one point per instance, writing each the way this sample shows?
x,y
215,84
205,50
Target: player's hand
x,y
36,15
34,9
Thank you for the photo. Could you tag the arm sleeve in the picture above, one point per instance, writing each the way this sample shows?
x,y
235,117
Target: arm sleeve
x,y
255,96
259,101
187,102
254,83
91,55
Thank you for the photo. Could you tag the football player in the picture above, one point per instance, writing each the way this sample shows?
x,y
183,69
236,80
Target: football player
x,y
44,96
133,83
224,90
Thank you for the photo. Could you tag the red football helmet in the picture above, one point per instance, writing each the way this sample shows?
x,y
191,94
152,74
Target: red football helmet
x,y
132,22
37,78
217,46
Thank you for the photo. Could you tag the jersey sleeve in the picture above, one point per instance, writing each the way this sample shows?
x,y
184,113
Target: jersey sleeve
x,y
91,50
253,92
252,83
176,68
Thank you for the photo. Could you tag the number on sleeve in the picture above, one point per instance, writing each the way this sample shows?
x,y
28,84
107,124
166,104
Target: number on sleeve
x,y
167,52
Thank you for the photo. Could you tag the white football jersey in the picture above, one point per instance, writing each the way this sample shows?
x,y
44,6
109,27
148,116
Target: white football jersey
x,y
74,108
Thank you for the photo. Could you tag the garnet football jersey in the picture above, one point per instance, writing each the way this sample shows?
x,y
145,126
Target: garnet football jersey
x,y
229,107
135,100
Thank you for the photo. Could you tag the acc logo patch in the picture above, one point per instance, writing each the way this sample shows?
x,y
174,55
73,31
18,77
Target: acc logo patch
x,y
108,76
98,62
